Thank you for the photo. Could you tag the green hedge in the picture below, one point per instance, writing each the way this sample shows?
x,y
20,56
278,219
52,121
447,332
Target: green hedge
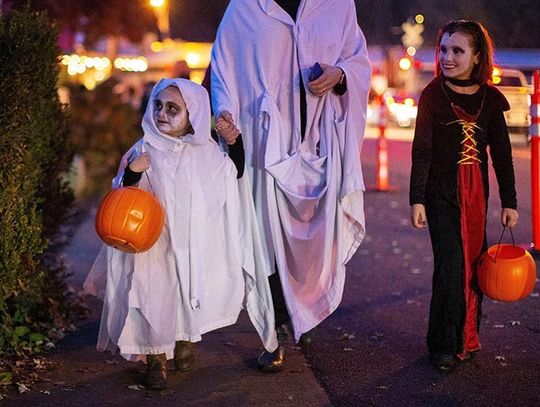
x,y
34,153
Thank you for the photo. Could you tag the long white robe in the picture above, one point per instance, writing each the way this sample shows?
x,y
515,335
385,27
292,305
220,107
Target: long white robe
x,y
201,272
308,194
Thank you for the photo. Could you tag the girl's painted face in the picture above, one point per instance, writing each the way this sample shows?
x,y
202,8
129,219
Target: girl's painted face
x,y
170,112
457,56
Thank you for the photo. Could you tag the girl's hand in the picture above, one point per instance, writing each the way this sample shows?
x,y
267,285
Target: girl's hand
x,y
141,163
226,128
509,217
326,82
418,216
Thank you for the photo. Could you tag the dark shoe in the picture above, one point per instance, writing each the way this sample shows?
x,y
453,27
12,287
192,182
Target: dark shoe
x,y
443,361
306,339
274,361
469,357
183,356
156,372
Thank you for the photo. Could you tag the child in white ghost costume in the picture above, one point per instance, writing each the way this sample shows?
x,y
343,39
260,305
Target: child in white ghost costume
x,y
200,273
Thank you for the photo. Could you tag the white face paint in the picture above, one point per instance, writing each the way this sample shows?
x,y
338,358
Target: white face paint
x,y
170,112
457,56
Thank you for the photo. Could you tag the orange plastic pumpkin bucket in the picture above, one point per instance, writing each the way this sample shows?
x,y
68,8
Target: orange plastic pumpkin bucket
x,y
506,273
129,219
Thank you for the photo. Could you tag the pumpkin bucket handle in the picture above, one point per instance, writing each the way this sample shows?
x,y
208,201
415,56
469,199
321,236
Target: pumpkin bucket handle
x,y
500,240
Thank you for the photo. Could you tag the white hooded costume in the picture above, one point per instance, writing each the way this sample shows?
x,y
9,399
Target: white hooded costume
x,y
201,271
308,193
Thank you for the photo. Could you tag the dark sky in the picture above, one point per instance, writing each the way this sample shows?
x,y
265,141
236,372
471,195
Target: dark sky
x,y
512,23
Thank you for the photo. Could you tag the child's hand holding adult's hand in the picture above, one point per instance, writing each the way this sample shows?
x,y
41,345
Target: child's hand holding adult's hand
x,y
141,163
418,216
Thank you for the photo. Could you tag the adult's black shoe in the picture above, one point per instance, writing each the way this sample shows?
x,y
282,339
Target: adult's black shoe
x,y
274,361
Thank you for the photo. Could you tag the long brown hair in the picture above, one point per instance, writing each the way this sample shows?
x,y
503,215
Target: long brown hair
x,y
481,43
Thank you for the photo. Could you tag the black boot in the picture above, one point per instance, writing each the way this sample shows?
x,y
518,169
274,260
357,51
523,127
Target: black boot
x,y
156,372
275,361
183,356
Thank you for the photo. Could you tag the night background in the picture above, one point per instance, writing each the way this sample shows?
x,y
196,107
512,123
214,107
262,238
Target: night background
x,y
513,24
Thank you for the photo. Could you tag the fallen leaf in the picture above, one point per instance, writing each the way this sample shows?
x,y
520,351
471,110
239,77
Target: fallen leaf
x,y
346,336
500,358
49,346
6,378
348,349
137,387
21,388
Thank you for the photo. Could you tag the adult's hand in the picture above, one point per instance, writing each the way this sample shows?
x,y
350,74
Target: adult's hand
x,y
226,128
326,82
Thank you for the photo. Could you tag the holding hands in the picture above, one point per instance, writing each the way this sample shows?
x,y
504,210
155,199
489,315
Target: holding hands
x,y
330,77
226,128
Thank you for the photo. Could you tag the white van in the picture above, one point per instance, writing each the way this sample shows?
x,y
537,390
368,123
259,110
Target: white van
x,y
513,84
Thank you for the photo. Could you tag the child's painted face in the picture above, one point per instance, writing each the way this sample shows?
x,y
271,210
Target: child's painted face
x,y
170,112
457,57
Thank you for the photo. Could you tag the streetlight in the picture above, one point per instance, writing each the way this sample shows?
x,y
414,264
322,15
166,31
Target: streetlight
x,y
161,8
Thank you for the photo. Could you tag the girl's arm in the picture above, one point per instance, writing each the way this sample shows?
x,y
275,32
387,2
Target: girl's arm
x,y
422,152
501,155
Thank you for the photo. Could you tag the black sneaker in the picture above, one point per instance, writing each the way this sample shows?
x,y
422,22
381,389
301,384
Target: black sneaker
x,y
443,361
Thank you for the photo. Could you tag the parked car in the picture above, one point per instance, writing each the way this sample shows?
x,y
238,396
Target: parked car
x,y
513,84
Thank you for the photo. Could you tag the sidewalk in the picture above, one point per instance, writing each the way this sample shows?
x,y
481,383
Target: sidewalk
x,y
224,374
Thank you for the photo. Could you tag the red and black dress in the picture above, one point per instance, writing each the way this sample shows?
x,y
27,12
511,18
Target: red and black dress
x,y
450,177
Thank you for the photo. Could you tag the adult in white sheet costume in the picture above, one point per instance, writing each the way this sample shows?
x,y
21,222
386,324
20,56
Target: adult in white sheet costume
x,y
302,141
201,272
